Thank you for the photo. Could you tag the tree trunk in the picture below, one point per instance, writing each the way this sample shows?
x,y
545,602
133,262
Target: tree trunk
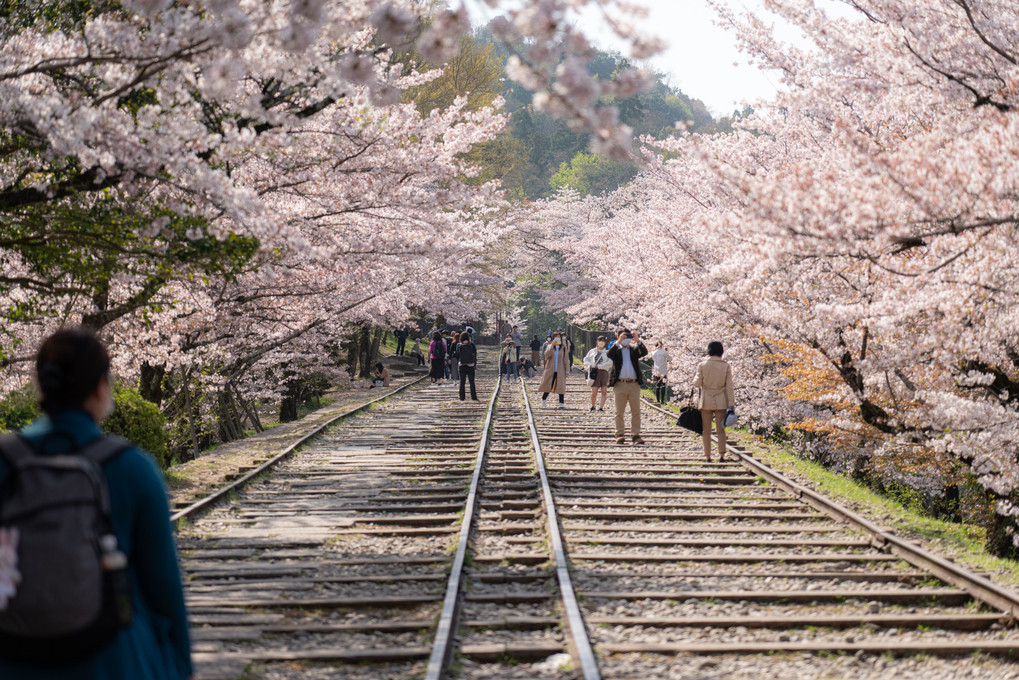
x,y
250,411
190,414
229,428
373,355
364,352
353,350
1000,535
150,383
288,407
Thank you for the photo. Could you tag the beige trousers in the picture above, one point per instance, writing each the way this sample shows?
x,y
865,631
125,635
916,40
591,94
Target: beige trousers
x,y
719,417
627,393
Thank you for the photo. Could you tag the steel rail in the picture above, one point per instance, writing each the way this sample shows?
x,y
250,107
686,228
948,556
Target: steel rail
x,y
221,493
979,587
574,618
442,646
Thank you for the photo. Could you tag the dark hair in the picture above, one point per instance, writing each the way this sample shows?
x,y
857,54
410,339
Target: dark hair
x,y
437,336
601,337
621,331
715,348
454,336
378,364
69,366
465,336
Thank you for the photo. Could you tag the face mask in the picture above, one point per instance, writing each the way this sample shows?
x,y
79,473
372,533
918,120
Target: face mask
x,y
601,345
625,342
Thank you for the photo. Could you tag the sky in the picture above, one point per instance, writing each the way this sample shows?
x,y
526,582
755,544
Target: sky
x,y
702,58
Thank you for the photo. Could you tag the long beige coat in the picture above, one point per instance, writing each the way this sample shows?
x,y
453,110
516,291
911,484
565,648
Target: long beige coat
x,y
714,378
550,368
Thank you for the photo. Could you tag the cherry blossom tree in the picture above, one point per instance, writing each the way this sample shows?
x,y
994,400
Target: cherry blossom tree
x,y
854,238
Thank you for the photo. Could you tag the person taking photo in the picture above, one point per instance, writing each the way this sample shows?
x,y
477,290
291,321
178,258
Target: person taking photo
x,y
626,381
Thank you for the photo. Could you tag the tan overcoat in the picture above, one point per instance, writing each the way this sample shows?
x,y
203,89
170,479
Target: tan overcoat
x,y
563,369
714,378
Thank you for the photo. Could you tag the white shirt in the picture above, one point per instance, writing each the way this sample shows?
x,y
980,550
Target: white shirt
x,y
627,371
555,359
598,358
661,359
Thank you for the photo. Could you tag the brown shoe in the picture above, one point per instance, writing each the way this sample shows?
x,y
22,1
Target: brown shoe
x,y
638,440
620,440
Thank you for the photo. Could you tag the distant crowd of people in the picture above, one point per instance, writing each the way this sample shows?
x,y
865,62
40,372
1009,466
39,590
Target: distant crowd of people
x,y
611,364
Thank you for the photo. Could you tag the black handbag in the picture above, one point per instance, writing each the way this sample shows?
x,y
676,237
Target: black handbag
x,y
690,418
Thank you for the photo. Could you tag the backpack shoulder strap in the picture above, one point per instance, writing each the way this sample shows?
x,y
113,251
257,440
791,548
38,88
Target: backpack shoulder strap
x,y
14,448
105,449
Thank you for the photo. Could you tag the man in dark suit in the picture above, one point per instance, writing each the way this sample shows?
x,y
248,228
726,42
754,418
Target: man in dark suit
x,y
626,380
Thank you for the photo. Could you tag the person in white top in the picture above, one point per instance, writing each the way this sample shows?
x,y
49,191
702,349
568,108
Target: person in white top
x,y
660,372
599,366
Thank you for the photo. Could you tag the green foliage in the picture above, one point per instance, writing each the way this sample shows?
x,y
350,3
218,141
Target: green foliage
x,y
590,174
18,409
65,15
76,247
534,312
140,421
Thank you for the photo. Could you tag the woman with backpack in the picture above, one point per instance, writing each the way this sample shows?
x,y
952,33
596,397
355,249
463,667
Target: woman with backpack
x,y
143,634
598,366
437,355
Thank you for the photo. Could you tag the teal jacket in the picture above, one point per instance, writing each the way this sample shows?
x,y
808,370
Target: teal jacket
x,y
156,646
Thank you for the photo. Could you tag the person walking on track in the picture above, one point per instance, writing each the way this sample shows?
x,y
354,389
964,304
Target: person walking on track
x,y
714,378
599,367
437,355
112,533
626,381
467,358
660,372
535,350
518,341
553,377
416,352
454,368
507,363
401,340
445,344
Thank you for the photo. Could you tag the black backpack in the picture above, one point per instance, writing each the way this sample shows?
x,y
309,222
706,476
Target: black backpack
x,y
75,593
468,353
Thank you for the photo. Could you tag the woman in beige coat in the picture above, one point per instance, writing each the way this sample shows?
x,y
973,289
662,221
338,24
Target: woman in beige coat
x,y
556,367
714,378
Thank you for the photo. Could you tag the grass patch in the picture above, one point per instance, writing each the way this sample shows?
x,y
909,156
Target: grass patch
x,y
964,543
174,479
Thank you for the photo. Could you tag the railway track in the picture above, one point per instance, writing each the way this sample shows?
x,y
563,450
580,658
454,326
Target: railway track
x,y
503,539
685,568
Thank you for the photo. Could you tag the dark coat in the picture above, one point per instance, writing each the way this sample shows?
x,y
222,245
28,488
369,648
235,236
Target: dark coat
x,y
637,352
